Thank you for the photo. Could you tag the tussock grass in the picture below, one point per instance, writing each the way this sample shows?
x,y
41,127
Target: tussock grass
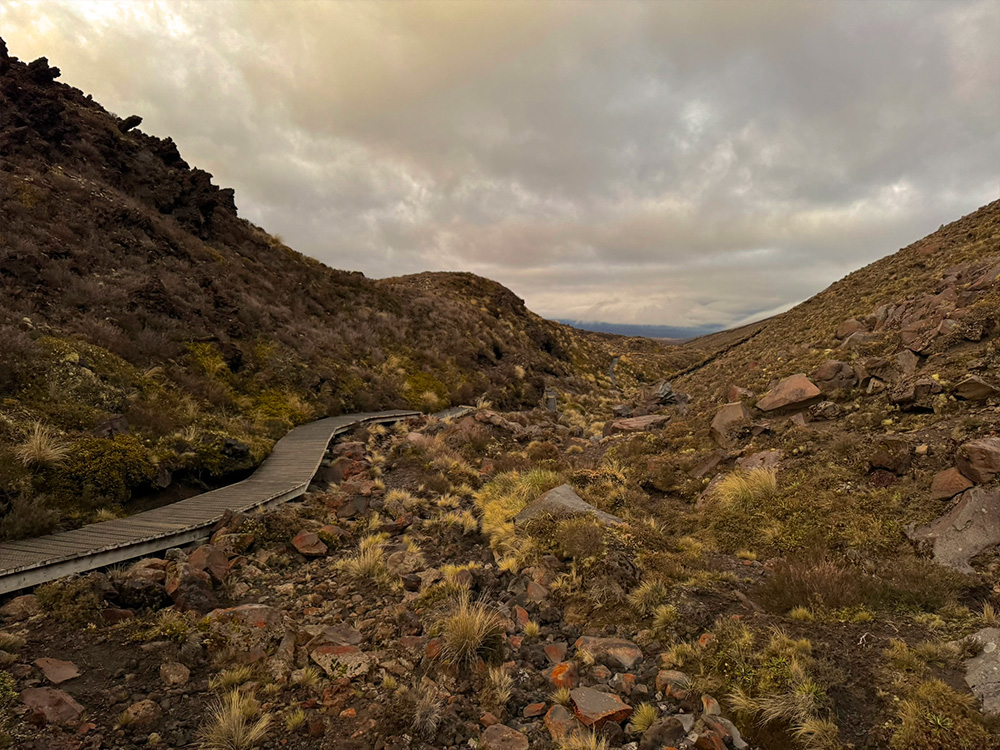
x,y
644,716
42,448
368,564
308,677
648,595
235,723
936,716
470,631
745,489
11,643
560,696
295,720
497,689
233,677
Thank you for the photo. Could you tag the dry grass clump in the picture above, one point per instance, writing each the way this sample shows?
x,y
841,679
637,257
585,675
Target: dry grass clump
x,y
470,631
648,595
295,720
770,679
580,538
582,741
936,716
235,723
369,562
232,677
497,689
643,717
745,489
42,448
560,696
308,677
11,643
462,520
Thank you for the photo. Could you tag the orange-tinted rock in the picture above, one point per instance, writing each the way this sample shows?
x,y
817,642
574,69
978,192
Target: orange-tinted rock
x,y
636,424
563,674
532,710
672,684
948,483
595,709
796,390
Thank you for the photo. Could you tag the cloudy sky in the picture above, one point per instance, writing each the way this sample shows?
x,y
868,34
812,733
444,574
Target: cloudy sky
x,y
670,162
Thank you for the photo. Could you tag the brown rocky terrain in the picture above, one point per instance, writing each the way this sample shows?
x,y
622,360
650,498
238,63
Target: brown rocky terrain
x,y
792,544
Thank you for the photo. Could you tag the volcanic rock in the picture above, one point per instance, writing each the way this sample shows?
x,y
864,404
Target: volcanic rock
x,y
794,391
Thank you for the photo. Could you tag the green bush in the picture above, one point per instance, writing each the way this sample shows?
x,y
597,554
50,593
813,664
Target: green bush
x,y
105,470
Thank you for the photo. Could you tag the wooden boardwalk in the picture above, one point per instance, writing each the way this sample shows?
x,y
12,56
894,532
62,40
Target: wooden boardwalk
x,y
283,475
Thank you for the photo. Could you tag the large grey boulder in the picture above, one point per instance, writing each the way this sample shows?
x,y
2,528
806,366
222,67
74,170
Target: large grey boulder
x,y
982,673
562,502
971,525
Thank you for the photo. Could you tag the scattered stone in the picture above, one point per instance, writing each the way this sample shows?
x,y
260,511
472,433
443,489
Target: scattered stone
x,y
212,560
849,326
556,652
613,652
142,715
825,410
562,502
20,608
794,391
57,671
174,674
859,338
532,710
736,393
730,418
665,734
52,705
672,683
907,362
561,723
979,460
974,388
563,674
636,424
971,525
833,375
761,460
500,737
595,709
190,589
982,672
948,483
342,661
892,454
309,544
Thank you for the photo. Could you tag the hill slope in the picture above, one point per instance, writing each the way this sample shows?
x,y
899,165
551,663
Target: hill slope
x,y
150,332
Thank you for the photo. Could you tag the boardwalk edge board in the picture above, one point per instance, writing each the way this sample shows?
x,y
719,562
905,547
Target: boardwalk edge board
x,y
22,567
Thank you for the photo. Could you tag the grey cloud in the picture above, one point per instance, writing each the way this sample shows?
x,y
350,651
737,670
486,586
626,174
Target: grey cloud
x,y
673,163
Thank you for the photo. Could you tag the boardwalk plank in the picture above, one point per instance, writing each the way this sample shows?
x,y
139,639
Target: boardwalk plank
x,y
287,472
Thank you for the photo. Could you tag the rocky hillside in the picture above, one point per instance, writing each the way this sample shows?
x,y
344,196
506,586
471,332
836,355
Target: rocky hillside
x,y
153,339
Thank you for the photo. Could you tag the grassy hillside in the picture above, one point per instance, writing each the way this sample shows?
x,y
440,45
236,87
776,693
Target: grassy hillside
x,y
152,337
